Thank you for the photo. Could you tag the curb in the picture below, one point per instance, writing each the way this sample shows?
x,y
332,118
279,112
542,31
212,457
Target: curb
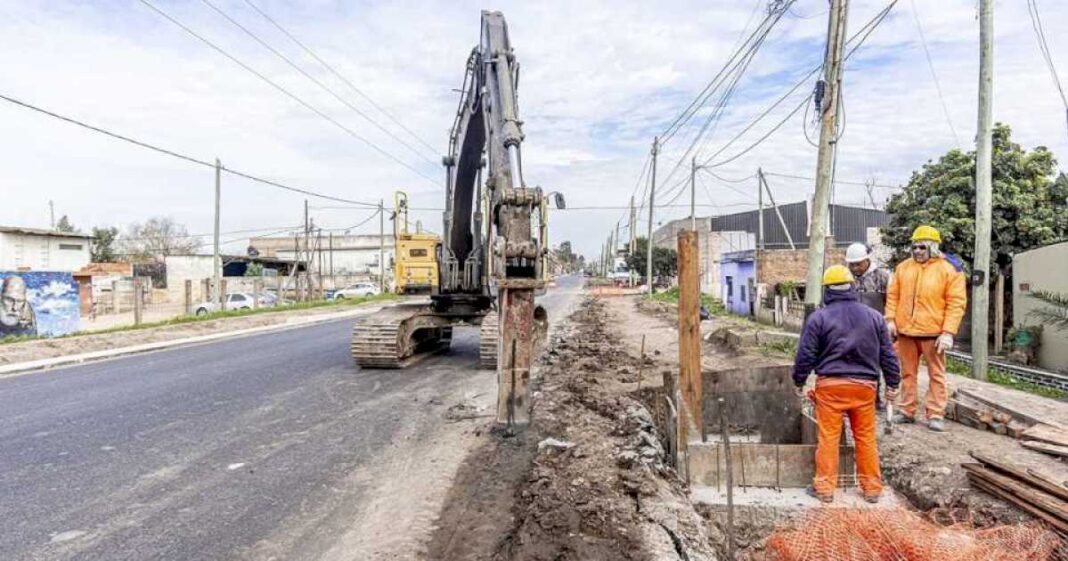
x,y
26,367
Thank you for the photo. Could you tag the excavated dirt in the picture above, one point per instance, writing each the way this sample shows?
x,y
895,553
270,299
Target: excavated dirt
x,y
589,482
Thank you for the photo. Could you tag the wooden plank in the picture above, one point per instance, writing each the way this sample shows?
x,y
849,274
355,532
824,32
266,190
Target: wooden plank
x,y
996,491
1051,449
1047,433
763,465
1030,495
1046,478
992,403
689,326
1022,474
762,378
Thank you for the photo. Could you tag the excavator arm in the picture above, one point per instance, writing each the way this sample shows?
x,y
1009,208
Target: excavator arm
x,y
506,256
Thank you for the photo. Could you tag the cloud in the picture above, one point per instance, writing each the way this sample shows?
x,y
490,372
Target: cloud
x,y
599,79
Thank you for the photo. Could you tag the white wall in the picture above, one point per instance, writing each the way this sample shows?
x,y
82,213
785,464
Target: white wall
x,y
43,252
1045,268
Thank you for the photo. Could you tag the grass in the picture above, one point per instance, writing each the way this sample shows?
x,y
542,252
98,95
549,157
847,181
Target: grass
x,y
1000,378
786,347
210,316
671,296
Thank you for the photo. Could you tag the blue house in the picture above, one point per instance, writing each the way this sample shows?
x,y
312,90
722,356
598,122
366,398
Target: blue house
x,y
737,271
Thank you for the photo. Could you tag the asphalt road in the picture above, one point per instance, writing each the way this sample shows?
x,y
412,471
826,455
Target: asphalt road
x,y
209,452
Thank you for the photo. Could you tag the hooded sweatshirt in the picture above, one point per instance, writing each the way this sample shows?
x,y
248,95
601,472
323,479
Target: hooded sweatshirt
x,y
847,339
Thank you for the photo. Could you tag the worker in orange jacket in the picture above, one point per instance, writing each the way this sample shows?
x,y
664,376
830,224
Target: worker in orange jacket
x,y
924,307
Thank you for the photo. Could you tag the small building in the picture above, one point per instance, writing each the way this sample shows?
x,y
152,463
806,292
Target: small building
x,y
1042,269
331,254
35,249
738,281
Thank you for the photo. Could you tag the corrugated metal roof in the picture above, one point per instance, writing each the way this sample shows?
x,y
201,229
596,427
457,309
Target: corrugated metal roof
x,y
849,224
42,232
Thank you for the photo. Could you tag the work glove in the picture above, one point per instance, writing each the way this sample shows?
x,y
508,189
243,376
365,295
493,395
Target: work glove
x,y
891,393
944,343
799,391
892,328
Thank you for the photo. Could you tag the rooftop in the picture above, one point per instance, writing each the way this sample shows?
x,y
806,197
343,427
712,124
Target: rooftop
x,y
42,232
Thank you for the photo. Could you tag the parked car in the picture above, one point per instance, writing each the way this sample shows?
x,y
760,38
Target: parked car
x,y
235,301
358,290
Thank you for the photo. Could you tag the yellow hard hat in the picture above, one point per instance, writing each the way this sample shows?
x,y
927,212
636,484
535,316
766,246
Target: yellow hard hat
x,y
837,274
926,233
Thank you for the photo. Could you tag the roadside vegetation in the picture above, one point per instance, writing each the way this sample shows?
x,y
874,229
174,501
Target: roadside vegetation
x,y
1000,378
341,303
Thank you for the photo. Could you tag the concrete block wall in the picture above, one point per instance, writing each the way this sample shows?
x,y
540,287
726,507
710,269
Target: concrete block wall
x,y
775,266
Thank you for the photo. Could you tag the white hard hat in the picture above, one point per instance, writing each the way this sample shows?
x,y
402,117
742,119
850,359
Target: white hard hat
x,y
857,252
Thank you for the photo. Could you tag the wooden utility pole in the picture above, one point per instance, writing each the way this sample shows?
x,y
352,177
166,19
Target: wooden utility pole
x,y
217,261
382,246
689,329
817,231
652,201
983,192
633,230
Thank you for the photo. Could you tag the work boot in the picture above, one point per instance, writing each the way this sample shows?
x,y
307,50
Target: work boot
x,y
902,419
812,492
936,424
871,498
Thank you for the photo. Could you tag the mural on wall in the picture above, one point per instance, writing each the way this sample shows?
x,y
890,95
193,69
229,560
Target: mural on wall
x,y
38,303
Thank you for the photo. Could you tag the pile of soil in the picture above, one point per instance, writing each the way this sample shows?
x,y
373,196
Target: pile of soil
x,y
588,480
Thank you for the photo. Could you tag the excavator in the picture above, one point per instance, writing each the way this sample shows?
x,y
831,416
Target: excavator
x,y
491,258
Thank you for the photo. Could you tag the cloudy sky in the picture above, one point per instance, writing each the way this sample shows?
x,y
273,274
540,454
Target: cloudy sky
x,y
599,79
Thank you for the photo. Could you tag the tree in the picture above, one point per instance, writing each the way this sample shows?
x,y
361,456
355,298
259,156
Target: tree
x,y
254,270
156,238
103,246
1055,311
1028,202
565,257
64,225
665,261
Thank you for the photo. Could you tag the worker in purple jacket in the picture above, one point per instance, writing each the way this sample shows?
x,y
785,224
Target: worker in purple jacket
x,y
845,344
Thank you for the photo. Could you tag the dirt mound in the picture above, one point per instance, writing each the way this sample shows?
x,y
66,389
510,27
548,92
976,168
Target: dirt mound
x,y
599,487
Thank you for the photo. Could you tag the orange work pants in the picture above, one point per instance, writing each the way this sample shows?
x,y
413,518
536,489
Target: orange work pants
x,y
909,350
835,397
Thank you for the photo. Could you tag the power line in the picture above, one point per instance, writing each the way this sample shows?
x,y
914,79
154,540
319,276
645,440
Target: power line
x,y
1043,46
314,80
286,92
174,154
842,182
341,77
934,75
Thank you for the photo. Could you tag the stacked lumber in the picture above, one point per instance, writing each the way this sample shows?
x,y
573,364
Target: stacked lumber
x,y
1030,491
1048,439
971,408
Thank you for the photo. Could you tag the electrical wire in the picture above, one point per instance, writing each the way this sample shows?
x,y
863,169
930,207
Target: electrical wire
x,y
340,76
286,92
174,154
1043,46
843,182
314,80
934,75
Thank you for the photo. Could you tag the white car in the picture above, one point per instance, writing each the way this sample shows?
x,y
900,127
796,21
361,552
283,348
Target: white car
x,y
358,290
234,301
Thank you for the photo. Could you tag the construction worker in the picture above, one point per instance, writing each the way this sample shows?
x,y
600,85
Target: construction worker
x,y
846,344
872,282
924,307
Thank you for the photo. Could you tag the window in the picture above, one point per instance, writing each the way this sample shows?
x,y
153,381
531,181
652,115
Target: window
x,y
416,253
730,287
237,297
71,246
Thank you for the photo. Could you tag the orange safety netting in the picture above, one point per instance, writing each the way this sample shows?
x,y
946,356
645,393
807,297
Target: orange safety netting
x,y
839,534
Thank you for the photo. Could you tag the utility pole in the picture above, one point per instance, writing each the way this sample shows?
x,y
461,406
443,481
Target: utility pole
x,y
760,208
217,261
693,192
633,231
983,191
649,240
825,163
382,245
615,247
52,213
305,253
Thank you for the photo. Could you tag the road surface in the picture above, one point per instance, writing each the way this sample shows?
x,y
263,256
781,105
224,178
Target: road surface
x,y
249,448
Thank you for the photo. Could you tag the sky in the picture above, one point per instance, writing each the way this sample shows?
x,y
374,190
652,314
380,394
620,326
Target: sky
x,y
598,80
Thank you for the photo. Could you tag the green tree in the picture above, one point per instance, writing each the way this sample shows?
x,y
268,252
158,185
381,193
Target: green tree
x,y
1028,202
64,225
254,270
665,261
103,246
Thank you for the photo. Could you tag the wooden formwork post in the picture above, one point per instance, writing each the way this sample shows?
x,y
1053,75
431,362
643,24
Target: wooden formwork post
x,y
257,290
205,290
138,300
188,296
222,293
689,329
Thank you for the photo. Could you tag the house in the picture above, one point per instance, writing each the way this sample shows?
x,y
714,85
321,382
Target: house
x,y
35,249
331,254
738,281
1042,269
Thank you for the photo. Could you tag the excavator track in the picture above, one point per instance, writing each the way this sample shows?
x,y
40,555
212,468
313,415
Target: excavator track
x,y
399,336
